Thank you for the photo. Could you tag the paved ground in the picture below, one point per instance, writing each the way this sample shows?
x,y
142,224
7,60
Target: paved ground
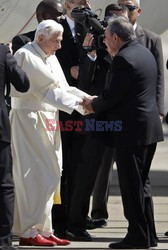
x,y
116,228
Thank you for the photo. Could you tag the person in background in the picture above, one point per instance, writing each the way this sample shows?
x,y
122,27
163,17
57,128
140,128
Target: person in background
x,y
68,57
46,9
116,9
10,72
92,74
37,151
134,105
153,42
99,213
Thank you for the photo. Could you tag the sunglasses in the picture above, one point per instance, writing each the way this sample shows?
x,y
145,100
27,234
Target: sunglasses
x,y
131,7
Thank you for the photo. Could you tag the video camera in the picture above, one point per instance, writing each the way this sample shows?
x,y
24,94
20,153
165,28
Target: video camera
x,y
87,21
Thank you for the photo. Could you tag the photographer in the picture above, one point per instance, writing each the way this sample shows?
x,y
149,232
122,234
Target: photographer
x,y
94,65
68,57
101,188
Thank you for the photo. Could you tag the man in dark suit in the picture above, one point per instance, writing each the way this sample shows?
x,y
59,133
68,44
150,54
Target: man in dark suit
x,y
10,72
93,158
46,9
99,210
68,57
86,152
130,99
153,42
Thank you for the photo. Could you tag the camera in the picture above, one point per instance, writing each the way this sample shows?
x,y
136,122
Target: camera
x,y
87,22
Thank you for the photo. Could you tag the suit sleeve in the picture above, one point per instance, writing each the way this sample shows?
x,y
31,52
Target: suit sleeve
x,y
17,43
158,54
86,73
15,74
118,85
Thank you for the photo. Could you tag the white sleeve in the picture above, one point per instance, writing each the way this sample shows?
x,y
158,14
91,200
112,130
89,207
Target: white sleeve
x,y
63,100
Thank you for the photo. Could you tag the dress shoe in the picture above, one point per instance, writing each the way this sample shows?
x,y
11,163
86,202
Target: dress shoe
x,y
39,240
153,244
126,245
95,223
80,236
61,242
60,233
166,234
8,248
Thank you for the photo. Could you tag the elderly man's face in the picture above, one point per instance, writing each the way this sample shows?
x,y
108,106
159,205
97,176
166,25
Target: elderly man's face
x,y
50,45
111,42
133,11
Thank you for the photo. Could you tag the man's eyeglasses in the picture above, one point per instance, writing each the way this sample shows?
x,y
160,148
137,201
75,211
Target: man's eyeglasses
x,y
131,7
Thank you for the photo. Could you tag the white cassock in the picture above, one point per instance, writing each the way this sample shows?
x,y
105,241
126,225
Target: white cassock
x,y
37,153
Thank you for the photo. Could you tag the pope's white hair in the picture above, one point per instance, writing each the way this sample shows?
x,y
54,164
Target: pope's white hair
x,y
47,28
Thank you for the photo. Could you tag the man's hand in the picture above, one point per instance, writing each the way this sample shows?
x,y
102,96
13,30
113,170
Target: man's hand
x,y
75,72
161,118
88,43
10,47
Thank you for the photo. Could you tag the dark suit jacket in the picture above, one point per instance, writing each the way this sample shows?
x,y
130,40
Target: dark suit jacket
x,y
153,42
10,72
130,97
92,74
20,40
68,55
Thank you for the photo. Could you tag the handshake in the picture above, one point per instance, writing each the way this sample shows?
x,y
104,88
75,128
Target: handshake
x,y
87,104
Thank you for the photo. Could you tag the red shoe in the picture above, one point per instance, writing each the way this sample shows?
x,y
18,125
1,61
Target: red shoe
x,y
39,240
57,240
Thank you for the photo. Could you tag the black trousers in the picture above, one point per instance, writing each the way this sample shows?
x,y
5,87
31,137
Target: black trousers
x,y
59,212
86,155
6,194
102,185
133,165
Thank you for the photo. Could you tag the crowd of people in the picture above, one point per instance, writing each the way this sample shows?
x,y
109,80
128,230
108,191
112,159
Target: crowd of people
x,y
60,77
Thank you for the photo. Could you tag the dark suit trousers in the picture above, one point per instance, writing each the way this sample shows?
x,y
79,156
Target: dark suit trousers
x,y
86,158
6,194
102,185
59,212
133,165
